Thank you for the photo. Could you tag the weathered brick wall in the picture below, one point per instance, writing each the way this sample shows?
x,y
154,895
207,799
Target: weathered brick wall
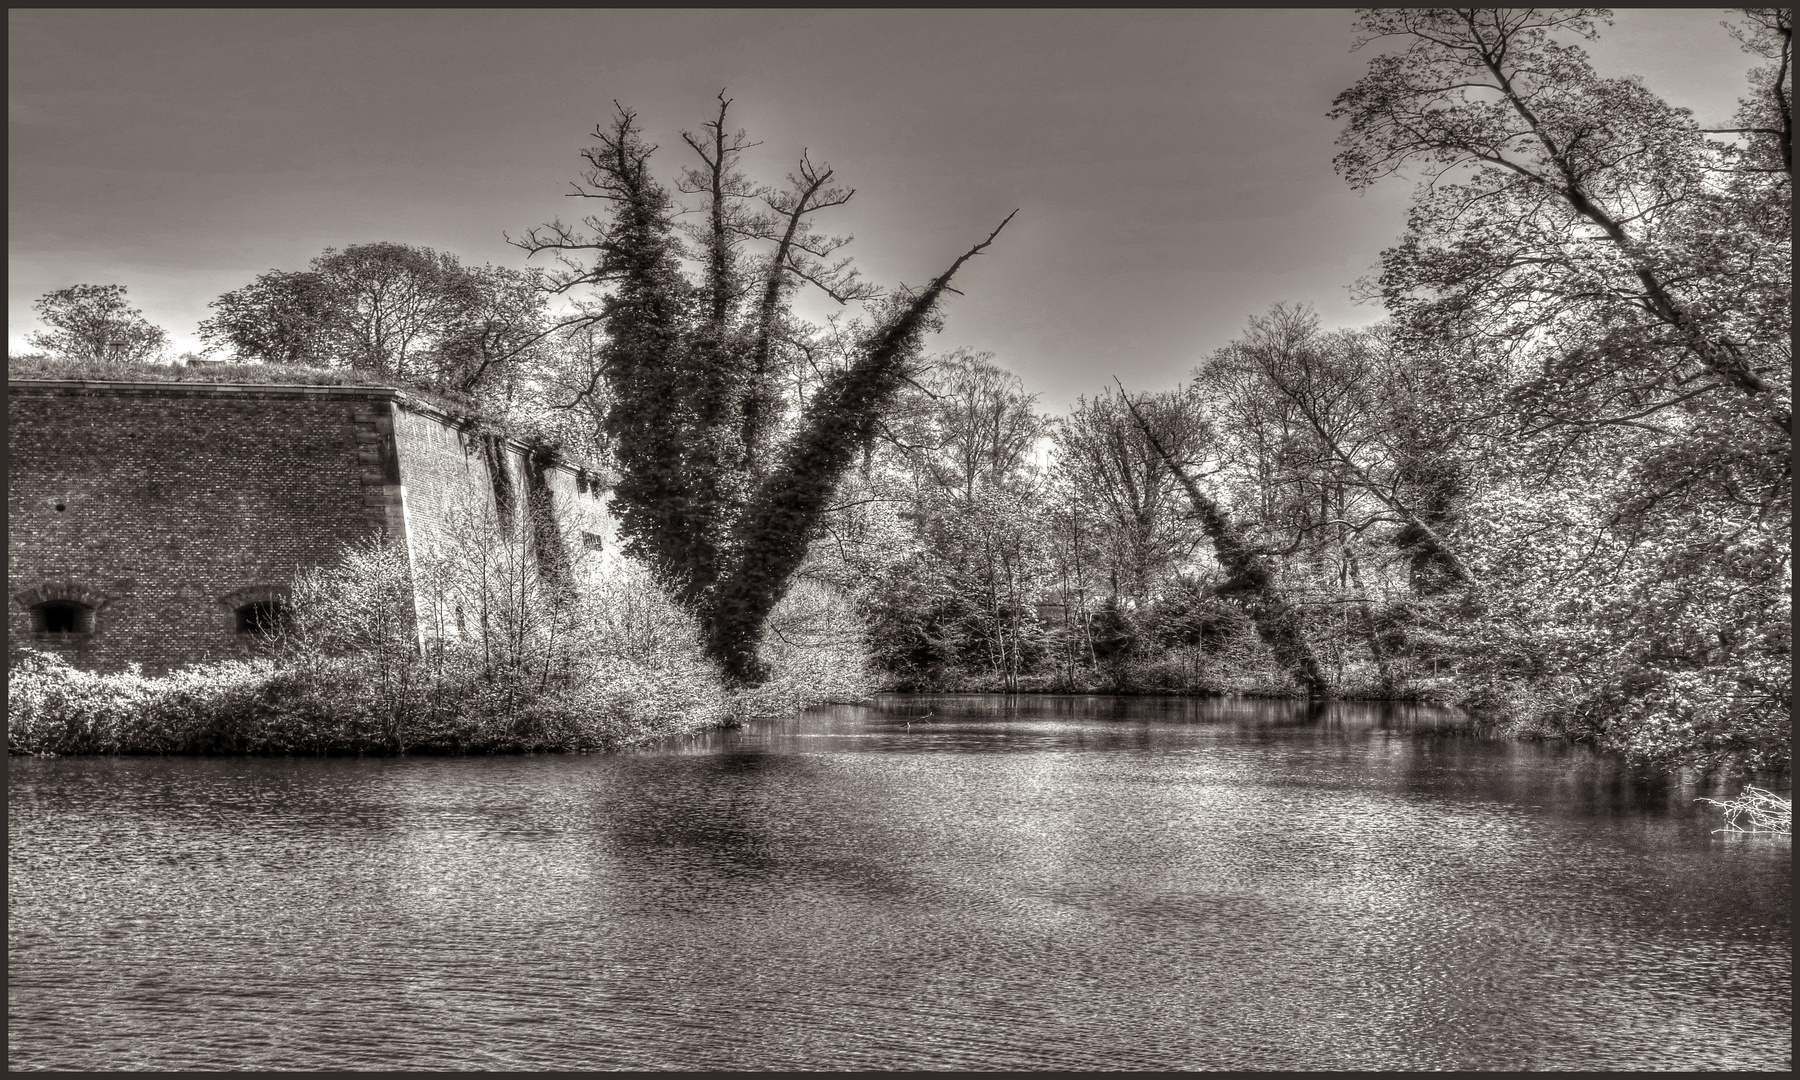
x,y
154,502
166,505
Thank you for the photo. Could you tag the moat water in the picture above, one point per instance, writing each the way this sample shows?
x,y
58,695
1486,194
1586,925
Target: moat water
x,y
1023,883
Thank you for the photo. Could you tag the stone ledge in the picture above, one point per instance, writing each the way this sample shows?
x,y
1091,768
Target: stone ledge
x,y
65,387
598,476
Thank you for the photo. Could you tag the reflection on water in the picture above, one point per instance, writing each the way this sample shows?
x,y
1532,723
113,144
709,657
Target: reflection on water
x,y
940,882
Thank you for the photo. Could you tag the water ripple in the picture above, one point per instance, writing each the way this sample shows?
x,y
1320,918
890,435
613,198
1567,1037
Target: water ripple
x,y
1077,883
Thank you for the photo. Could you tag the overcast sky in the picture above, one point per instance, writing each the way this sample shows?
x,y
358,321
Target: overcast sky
x,y
1173,168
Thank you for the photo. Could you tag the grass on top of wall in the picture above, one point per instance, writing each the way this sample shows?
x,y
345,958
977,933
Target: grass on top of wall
x,y
41,366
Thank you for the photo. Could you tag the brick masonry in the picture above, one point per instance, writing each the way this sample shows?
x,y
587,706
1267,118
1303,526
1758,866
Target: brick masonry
x,y
166,506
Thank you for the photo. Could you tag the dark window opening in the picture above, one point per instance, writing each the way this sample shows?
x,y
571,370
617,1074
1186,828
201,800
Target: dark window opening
x,y
262,617
64,617
592,541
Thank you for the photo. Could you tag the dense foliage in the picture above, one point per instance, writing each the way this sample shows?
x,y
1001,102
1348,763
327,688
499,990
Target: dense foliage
x,y
94,324
1554,484
709,493
395,311
590,658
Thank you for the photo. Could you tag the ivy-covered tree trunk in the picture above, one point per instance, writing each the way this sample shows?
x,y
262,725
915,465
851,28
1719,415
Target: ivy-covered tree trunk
x,y
1248,573
689,375
778,523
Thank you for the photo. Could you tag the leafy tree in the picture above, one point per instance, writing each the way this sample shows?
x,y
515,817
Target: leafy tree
x,y
981,421
699,497
1766,116
280,318
1335,390
1120,534
1124,490
1623,282
1556,200
93,323
394,304
1334,449
1249,574
498,318
407,313
943,524
977,504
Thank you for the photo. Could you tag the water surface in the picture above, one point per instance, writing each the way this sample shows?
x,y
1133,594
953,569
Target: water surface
x,y
936,882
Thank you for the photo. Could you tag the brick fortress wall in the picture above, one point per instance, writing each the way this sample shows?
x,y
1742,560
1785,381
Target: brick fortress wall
x,y
164,507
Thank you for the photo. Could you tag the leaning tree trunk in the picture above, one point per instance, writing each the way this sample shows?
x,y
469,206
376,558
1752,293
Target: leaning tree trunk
x,y
1383,665
777,525
1276,621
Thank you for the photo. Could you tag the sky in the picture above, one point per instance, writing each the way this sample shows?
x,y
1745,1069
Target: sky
x,y
1172,168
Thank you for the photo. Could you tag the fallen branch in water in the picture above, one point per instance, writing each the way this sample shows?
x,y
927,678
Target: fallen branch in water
x,y
1757,811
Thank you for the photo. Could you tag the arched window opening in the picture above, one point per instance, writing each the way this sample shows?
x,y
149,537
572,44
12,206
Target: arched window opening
x,y
63,617
262,617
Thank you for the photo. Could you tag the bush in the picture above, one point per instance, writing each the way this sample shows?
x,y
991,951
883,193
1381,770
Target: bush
x,y
55,708
343,706
611,663
816,650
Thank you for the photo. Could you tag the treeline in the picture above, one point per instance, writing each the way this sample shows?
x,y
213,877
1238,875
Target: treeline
x,y
1554,484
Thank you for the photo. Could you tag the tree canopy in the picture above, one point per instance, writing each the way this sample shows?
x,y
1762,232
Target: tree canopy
x,y
94,324
393,310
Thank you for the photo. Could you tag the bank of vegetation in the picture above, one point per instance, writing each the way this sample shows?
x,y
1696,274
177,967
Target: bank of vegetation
x,y
674,377
466,646
1552,485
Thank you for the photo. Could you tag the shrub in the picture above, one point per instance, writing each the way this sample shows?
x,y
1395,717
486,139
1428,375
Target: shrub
x,y
55,708
609,663
816,650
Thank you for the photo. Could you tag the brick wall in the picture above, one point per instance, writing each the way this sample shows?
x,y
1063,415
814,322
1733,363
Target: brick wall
x,y
164,506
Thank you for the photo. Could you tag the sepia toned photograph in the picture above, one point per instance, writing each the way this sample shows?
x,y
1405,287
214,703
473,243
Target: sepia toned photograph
x,y
823,539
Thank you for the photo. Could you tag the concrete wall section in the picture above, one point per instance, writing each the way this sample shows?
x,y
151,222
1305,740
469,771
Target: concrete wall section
x,y
449,470
445,475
